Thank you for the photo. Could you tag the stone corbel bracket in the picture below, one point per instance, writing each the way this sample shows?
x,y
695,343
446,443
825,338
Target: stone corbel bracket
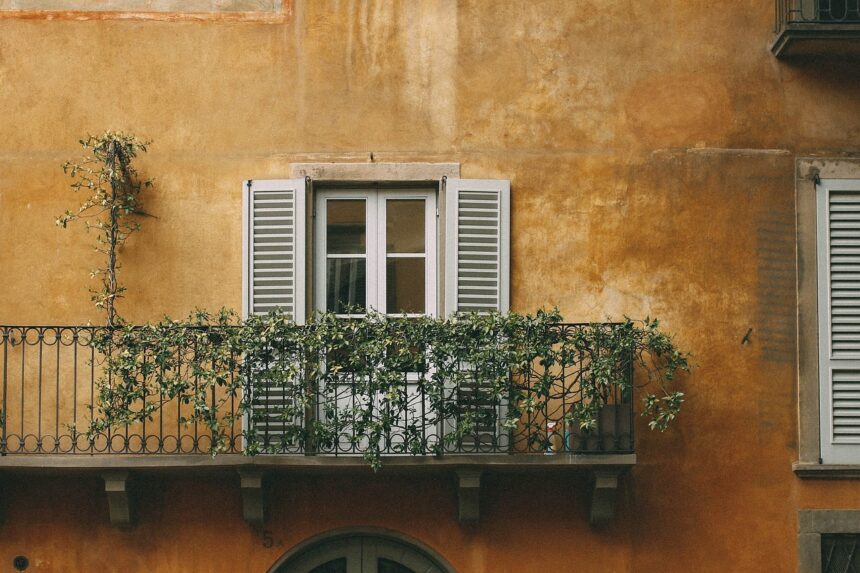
x,y
120,503
253,496
469,495
604,495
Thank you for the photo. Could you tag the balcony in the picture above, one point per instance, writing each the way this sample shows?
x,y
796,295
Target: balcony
x,y
51,379
817,28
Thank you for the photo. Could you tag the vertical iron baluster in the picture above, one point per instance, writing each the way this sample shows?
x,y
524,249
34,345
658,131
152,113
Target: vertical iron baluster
x,y
41,340
161,411
266,405
194,414
143,435
232,447
4,411
23,380
214,383
423,387
566,433
58,333
125,446
110,331
178,375
74,433
92,385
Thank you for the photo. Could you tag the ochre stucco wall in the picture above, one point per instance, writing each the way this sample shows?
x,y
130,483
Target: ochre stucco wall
x,y
651,151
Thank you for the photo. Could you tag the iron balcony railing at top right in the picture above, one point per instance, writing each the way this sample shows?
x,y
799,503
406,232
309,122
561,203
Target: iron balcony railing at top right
x,y
817,27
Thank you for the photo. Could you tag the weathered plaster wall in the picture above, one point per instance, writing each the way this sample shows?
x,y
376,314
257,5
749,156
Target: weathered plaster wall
x,y
651,149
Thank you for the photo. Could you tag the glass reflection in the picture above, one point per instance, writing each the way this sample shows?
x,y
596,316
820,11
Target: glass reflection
x,y
346,226
346,281
404,225
405,285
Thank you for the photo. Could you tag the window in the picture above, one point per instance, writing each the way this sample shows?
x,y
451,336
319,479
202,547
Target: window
x,y
840,553
376,246
838,215
828,317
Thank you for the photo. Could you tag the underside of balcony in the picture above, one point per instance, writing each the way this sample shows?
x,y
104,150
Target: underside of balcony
x,y
818,39
820,28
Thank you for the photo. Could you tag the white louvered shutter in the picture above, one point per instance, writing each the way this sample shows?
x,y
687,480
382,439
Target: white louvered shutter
x,y
477,269
477,245
839,319
275,247
274,277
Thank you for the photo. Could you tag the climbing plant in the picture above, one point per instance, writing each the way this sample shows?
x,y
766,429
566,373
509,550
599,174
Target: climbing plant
x,y
224,369
107,174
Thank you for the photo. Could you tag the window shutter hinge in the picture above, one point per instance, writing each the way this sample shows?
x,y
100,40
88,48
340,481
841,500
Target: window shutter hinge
x,y
437,212
820,461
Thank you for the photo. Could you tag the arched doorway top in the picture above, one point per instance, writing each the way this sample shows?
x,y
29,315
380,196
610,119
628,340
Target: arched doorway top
x,y
345,543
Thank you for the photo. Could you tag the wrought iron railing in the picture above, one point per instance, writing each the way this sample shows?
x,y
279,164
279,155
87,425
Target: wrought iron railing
x,y
790,12
50,388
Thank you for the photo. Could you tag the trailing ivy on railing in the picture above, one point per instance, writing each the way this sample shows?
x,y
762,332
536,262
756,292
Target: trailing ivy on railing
x,y
408,374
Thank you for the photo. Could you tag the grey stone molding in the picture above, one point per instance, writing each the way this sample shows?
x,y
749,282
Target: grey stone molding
x,y
812,524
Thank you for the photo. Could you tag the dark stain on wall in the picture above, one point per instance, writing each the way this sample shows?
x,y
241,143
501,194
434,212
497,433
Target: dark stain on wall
x,y
775,250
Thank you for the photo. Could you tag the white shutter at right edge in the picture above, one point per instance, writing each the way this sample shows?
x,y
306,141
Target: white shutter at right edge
x,y
477,245
839,319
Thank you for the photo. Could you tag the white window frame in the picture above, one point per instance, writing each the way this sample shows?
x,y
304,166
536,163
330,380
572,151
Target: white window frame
x,y
376,201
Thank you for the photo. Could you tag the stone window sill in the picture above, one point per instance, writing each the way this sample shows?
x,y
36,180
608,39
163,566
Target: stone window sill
x,y
805,470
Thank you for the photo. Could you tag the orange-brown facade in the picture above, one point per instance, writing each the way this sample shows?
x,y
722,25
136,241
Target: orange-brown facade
x,y
652,152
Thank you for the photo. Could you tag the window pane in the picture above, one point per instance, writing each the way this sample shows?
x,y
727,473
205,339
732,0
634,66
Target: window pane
x,y
404,227
387,566
840,553
346,281
346,226
404,285
334,566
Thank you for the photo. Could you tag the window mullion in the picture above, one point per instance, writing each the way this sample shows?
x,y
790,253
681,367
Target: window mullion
x,y
375,242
